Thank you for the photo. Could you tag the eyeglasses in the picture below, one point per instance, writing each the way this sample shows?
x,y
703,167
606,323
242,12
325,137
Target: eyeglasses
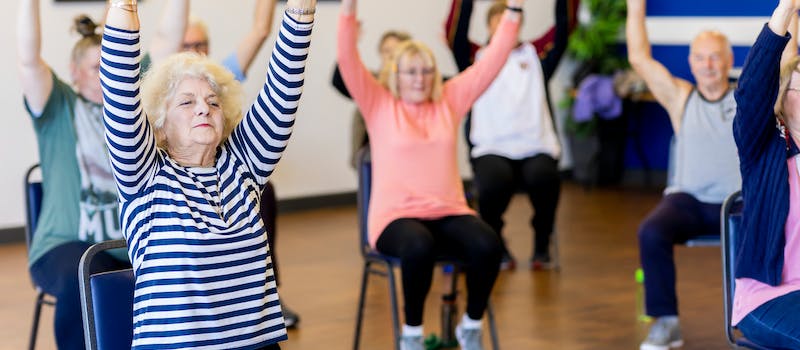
x,y
414,71
195,45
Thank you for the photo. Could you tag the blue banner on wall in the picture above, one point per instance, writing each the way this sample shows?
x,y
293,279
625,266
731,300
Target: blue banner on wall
x,y
711,8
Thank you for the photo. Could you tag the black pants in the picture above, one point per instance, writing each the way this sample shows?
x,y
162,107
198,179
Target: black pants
x,y
419,242
497,178
677,218
269,213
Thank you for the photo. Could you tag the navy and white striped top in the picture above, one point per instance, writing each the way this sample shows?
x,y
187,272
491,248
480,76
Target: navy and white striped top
x,y
204,277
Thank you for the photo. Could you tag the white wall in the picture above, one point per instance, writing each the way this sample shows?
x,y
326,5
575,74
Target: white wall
x,y
316,161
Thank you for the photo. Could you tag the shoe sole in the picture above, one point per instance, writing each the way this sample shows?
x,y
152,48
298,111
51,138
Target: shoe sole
x,y
540,266
673,345
508,265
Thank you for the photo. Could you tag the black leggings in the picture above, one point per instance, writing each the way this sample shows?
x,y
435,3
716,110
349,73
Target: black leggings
x,y
419,242
497,178
269,213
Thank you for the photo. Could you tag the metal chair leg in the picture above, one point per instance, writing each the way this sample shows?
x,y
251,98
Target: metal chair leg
x,y
492,327
37,310
361,300
556,251
395,311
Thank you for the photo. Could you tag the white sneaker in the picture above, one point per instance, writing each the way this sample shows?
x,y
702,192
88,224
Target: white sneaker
x,y
469,339
412,342
665,334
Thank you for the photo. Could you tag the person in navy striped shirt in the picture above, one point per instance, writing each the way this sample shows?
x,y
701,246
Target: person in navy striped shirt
x,y
189,170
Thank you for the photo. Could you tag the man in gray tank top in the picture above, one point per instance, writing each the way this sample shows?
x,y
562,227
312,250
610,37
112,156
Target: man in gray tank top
x,y
706,167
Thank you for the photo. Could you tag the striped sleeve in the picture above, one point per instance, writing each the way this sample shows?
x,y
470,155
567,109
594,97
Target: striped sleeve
x,y
260,139
128,134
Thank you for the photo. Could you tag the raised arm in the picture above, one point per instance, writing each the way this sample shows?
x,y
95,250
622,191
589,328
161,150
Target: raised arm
x,y
35,75
552,45
791,48
128,134
462,90
457,31
757,90
251,43
669,91
263,134
171,27
360,83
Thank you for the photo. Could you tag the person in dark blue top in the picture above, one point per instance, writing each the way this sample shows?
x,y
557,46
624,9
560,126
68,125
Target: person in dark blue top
x,y
766,304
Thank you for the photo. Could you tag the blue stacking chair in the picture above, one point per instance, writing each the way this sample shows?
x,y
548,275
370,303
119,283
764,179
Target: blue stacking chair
x,y
106,302
386,264
731,218
32,188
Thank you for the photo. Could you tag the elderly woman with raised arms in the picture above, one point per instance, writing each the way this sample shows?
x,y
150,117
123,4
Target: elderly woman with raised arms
x,y
189,168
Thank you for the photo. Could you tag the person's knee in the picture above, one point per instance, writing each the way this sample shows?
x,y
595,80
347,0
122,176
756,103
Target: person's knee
x,y
487,245
419,249
491,186
652,234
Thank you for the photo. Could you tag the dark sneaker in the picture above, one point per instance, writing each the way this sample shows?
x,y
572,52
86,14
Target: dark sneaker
x,y
290,318
665,334
507,262
541,261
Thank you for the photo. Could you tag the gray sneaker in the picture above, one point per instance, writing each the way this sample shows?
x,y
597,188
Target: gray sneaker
x,y
665,334
469,339
412,342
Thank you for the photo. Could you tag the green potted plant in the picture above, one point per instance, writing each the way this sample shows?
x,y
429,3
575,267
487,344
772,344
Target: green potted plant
x,y
595,45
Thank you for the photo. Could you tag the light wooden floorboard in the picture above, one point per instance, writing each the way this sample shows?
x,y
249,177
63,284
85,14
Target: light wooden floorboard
x,y
592,303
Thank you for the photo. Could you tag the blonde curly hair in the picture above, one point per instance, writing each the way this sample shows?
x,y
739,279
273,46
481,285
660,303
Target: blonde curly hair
x,y
160,83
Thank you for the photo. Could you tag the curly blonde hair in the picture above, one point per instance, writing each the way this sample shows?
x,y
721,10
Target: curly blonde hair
x,y
161,82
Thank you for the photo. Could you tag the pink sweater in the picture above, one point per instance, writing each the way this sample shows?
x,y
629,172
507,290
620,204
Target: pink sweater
x,y
750,294
414,165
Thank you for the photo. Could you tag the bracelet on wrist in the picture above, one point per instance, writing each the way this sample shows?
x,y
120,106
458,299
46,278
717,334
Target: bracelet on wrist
x,y
514,9
301,11
127,5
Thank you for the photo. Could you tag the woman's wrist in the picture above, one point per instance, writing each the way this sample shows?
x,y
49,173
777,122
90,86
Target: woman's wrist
x,y
127,5
302,11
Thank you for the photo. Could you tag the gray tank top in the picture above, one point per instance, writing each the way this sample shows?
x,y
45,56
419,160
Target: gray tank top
x,y
706,160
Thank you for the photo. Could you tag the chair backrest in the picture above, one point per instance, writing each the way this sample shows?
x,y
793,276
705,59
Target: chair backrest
x,y
32,188
731,220
106,302
364,166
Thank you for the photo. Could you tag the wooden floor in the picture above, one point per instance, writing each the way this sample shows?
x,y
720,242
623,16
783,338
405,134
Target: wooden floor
x,y
592,303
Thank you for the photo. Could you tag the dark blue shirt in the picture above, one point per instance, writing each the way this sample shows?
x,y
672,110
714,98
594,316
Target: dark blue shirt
x,y
763,151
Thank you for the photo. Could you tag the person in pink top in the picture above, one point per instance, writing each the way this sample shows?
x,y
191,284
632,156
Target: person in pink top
x,y
418,209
